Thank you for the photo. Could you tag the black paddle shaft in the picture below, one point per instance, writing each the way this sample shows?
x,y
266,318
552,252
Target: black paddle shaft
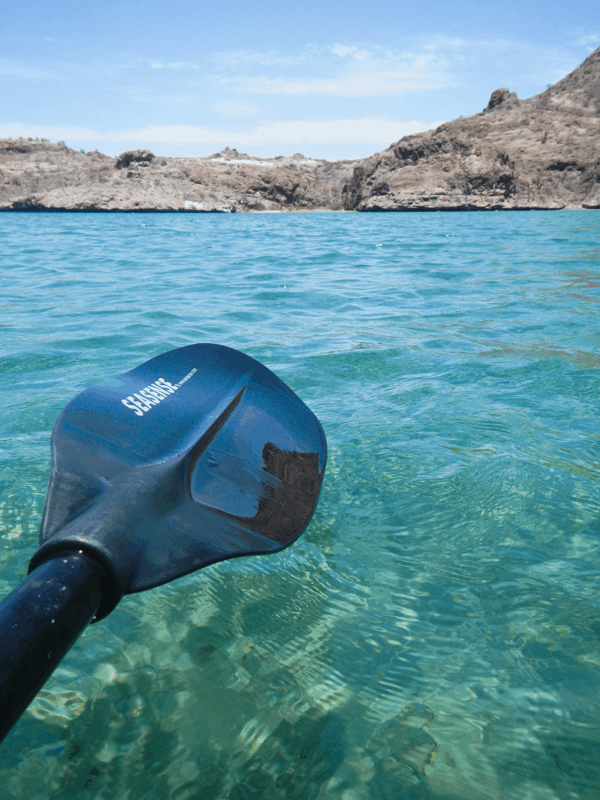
x,y
39,621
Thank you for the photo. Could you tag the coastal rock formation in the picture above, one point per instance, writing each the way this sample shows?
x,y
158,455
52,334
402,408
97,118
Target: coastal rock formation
x,y
542,153
39,175
134,157
500,96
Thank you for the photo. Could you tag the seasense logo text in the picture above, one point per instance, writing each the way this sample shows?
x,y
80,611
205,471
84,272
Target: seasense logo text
x,y
142,401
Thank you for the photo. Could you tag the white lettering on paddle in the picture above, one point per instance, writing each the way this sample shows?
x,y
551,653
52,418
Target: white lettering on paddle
x,y
142,401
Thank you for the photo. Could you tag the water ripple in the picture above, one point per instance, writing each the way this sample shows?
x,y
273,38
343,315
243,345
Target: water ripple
x,y
436,631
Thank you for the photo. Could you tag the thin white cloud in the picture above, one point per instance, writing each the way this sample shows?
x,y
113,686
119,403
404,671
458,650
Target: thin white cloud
x,y
173,65
231,108
150,95
356,73
349,70
17,69
359,84
344,70
63,70
379,132
353,52
52,132
346,131
226,60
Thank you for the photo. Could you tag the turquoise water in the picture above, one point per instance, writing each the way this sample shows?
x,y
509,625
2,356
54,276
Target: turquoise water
x,y
436,631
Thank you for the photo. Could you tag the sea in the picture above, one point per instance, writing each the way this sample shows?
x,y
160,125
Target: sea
x,y
435,632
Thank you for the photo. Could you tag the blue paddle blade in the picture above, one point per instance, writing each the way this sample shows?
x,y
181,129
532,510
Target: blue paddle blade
x,y
199,455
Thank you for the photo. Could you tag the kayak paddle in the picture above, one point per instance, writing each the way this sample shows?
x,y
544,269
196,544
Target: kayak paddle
x,y
199,455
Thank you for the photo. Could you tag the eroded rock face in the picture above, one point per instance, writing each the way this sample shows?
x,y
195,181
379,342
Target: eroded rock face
x,y
500,96
43,176
134,156
543,152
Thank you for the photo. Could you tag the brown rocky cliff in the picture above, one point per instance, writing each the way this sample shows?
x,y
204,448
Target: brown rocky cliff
x,y
543,152
39,175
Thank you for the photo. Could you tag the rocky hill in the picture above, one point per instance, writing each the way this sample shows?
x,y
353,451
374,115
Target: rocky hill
x,y
39,175
542,153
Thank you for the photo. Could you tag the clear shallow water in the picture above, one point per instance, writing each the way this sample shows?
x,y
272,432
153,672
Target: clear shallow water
x,y
436,631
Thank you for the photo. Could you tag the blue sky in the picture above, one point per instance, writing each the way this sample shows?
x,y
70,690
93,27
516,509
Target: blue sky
x,y
328,79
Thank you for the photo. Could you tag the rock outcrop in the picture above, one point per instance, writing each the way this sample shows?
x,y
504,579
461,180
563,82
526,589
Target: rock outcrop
x,y
541,153
39,175
144,157
500,96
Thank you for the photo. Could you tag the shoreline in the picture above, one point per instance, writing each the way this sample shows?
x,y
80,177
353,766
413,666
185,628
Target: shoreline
x,y
456,210
540,154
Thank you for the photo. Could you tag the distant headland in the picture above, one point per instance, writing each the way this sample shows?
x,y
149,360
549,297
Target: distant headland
x,y
540,153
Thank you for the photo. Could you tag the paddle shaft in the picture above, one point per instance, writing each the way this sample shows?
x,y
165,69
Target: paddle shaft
x,y
39,621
